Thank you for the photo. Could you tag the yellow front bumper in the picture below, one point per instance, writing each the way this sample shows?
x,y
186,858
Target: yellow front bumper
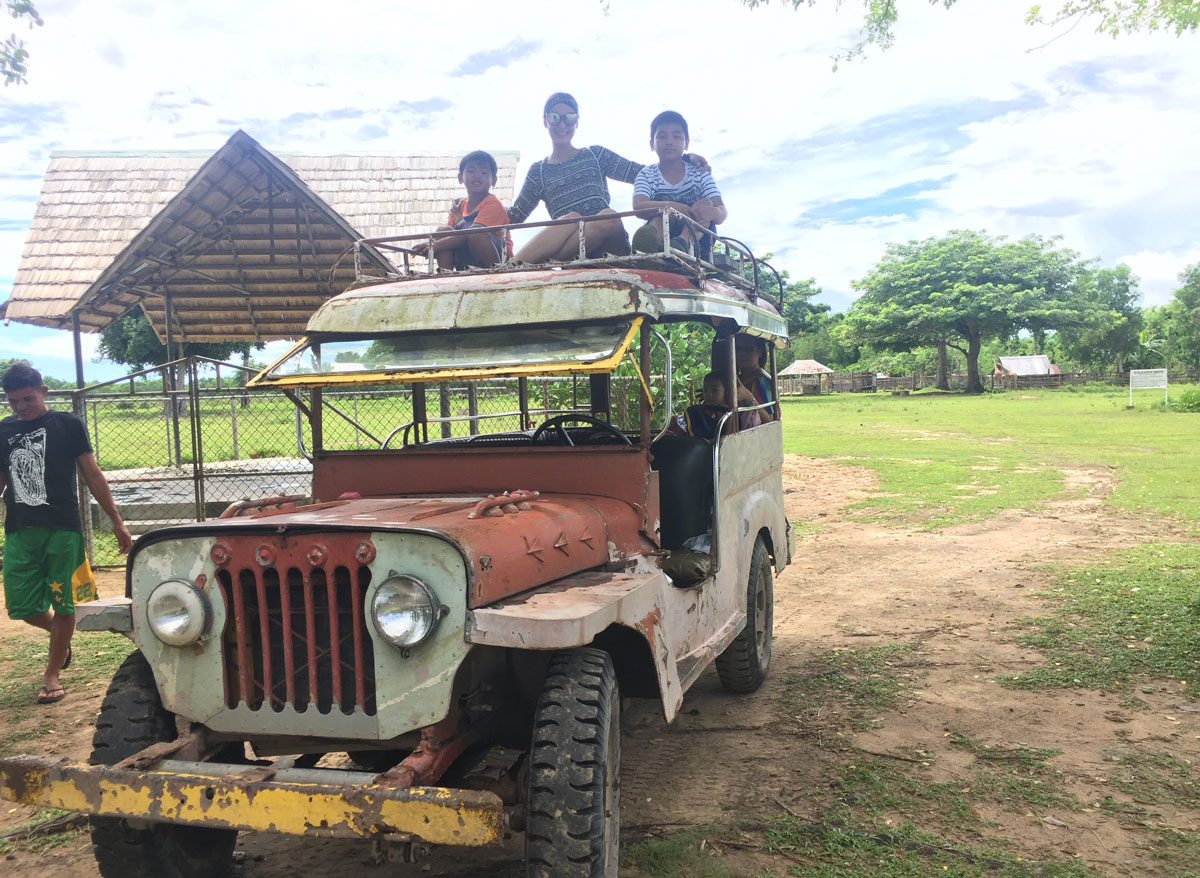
x,y
225,800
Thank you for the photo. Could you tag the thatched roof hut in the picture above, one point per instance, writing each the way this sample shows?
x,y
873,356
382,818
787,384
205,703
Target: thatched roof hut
x,y
238,244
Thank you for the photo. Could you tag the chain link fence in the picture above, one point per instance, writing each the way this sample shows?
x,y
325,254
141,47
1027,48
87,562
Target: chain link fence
x,y
179,443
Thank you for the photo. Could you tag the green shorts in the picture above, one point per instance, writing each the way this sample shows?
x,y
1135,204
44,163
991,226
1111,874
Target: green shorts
x,y
44,567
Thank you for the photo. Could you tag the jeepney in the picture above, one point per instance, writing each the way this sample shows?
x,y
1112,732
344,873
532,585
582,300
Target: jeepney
x,y
458,610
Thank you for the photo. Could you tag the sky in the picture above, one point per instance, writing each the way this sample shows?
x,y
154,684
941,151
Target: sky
x,y
972,120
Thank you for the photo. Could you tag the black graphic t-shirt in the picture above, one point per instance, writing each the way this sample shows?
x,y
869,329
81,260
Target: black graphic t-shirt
x,y
38,461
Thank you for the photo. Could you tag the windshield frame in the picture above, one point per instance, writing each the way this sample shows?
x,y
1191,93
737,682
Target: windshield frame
x,y
428,376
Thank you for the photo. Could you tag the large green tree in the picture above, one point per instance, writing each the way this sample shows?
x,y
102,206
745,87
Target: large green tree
x,y
1113,17
1178,329
131,341
965,288
1108,343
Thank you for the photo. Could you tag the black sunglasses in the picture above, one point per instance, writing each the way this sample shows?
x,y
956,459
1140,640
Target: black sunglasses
x,y
568,119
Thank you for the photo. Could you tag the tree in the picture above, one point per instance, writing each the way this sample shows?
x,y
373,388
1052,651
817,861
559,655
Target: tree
x,y
964,288
1106,344
1113,17
13,56
131,341
1182,318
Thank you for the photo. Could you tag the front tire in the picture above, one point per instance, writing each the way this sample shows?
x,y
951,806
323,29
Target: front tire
x,y
132,718
743,665
574,816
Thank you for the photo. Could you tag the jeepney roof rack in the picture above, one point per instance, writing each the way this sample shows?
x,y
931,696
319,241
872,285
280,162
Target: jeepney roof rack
x,y
723,257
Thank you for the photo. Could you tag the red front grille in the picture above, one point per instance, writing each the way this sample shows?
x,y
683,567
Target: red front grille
x,y
297,637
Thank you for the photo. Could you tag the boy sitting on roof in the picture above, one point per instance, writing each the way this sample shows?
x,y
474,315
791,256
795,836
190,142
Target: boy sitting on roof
x,y
480,209
674,183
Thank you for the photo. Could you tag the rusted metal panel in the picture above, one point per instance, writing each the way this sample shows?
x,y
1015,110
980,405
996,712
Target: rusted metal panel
x,y
620,472
432,814
573,611
446,302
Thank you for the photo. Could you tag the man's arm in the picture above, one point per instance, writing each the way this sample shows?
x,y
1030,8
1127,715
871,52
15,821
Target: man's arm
x,y
98,485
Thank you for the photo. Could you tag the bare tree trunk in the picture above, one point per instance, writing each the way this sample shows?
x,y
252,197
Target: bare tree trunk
x,y
943,372
974,383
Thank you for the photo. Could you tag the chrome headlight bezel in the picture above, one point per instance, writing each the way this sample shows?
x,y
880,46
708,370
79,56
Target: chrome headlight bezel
x,y
178,612
401,595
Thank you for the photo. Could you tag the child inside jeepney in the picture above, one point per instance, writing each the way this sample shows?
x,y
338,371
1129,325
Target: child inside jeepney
x,y
677,184
701,420
479,210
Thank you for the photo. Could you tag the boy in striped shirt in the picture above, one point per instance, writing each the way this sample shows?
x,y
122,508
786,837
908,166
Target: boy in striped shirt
x,y
674,183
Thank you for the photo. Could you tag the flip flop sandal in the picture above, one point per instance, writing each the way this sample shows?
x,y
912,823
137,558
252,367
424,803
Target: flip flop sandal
x,y
67,661
47,696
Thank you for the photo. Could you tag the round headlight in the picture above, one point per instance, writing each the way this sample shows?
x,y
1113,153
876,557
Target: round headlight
x,y
178,612
405,610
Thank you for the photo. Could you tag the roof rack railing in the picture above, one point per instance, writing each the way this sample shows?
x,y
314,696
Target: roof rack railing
x,y
707,253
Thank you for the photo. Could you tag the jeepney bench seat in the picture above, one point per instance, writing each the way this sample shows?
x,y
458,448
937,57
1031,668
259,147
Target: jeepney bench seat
x,y
685,487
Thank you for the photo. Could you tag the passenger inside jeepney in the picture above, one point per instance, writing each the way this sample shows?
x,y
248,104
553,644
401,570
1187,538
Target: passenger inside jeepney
x,y
479,247
754,382
702,419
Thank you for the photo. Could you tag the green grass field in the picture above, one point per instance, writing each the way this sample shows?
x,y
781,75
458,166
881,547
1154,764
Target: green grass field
x,y
947,458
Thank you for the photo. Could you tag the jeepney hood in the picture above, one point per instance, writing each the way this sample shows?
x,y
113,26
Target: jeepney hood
x,y
509,543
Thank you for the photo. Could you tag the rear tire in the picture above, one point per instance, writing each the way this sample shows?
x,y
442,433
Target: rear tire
x,y
132,718
574,814
743,665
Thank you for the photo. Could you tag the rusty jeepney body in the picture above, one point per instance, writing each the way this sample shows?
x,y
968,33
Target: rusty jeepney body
x,y
415,611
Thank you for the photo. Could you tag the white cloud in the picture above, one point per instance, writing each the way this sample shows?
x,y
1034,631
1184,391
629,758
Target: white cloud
x,y
1089,137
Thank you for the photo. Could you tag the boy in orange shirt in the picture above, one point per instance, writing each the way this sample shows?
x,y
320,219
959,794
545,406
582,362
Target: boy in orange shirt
x,y
480,209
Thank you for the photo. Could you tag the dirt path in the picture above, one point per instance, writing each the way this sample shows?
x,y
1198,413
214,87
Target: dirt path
x,y
952,594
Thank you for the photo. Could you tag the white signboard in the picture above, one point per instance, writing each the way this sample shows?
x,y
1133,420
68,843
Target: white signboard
x,y
1147,379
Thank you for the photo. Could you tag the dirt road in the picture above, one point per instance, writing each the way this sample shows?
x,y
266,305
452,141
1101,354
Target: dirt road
x,y
951,595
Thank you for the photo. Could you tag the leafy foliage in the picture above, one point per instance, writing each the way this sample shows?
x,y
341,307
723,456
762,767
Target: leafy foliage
x,y
1113,17
13,56
968,287
132,341
1106,343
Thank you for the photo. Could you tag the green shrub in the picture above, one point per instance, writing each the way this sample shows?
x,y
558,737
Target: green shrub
x,y
1188,401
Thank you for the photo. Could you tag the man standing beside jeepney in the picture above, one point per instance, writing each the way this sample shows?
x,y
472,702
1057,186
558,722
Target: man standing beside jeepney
x,y
46,571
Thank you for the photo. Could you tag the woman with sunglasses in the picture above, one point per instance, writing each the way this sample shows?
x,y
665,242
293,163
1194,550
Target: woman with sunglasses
x,y
573,182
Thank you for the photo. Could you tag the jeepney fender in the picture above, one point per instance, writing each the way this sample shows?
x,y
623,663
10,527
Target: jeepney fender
x,y
576,610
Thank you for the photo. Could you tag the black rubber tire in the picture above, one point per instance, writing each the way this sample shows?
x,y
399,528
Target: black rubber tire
x,y
574,806
132,718
743,665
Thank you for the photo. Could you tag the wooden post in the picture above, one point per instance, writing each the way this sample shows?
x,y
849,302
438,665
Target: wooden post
x,y
473,408
523,402
444,409
233,423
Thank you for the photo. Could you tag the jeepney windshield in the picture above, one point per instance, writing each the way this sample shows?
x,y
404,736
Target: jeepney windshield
x,y
560,346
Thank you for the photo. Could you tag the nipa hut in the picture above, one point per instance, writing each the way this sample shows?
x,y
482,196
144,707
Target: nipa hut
x,y
239,245
805,377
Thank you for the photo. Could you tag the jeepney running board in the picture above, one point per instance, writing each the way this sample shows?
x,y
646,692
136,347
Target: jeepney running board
x,y
215,795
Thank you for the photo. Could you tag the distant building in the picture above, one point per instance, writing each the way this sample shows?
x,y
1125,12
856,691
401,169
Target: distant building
x,y
805,377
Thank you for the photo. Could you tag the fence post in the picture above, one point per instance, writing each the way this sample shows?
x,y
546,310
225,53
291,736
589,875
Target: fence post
x,y
95,429
473,408
444,409
167,404
233,423
79,409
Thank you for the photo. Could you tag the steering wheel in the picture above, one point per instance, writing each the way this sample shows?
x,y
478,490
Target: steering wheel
x,y
557,422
